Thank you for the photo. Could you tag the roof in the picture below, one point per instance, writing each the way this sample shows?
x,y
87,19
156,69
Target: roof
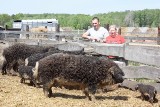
x,y
38,20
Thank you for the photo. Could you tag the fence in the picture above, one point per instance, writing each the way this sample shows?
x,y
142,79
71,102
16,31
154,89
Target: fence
x,y
147,54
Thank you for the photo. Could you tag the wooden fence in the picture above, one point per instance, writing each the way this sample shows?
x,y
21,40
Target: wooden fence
x,y
147,54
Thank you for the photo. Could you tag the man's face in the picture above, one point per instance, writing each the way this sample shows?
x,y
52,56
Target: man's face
x,y
112,32
95,24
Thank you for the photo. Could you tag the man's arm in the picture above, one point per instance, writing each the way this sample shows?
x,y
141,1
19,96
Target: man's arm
x,y
85,35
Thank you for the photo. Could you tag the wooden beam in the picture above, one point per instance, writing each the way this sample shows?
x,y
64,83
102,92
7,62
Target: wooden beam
x,y
138,44
109,49
132,84
144,54
141,38
142,72
70,47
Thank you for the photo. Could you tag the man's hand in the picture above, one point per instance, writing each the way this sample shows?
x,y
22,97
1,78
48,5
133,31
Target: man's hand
x,y
97,39
93,38
90,38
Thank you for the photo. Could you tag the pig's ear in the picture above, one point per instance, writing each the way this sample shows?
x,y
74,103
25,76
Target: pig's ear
x,y
111,70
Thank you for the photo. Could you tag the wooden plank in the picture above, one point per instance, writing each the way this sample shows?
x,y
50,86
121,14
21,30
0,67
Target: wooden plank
x,y
34,41
143,54
129,84
146,54
138,44
70,47
109,49
132,84
71,34
141,38
142,72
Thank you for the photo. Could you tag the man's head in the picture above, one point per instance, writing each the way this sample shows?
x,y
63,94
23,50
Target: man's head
x,y
95,23
113,30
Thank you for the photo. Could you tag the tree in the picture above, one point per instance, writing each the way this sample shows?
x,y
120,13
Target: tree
x,y
129,19
4,18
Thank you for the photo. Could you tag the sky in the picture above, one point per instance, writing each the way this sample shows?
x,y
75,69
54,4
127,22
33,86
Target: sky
x,y
89,7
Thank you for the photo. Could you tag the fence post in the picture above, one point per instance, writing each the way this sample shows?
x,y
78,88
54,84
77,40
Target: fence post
x,y
119,31
158,36
27,30
6,27
15,40
39,42
57,28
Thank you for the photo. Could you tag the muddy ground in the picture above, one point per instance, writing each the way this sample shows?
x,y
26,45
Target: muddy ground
x,y
15,94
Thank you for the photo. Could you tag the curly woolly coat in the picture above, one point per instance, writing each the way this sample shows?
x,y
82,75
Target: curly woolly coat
x,y
148,92
19,51
87,71
26,73
31,60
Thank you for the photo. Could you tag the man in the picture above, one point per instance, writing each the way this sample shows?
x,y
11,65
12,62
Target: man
x,y
96,33
114,37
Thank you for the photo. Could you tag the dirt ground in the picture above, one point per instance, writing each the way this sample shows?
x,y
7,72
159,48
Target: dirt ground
x,y
15,94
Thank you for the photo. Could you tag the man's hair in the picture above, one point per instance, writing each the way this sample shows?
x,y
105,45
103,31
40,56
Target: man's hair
x,y
95,18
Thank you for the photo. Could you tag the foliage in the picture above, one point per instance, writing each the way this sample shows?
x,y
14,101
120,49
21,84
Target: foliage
x,y
4,19
140,18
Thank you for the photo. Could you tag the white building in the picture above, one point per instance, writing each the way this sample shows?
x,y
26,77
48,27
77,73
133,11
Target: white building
x,y
49,23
